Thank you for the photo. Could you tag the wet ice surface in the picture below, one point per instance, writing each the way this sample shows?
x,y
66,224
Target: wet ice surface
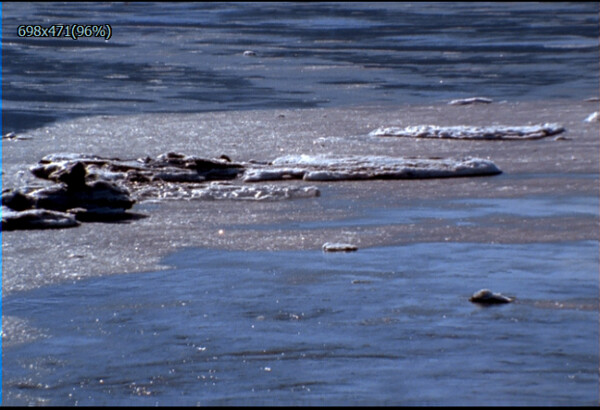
x,y
385,325
458,212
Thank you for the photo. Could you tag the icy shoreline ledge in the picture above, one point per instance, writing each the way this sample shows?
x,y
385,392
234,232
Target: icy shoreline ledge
x,y
93,188
333,168
527,132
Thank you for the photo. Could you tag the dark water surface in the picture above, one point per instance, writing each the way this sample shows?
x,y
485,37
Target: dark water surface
x,y
188,57
382,326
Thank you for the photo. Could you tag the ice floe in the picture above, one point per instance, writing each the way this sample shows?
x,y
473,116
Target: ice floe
x,y
36,219
333,168
172,167
500,132
254,192
93,188
472,100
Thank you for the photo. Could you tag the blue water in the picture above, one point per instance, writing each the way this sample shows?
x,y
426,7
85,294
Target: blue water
x,y
454,212
381,326
188,57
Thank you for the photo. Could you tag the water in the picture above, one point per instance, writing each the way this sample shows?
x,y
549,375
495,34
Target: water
x,y
387,325
188,57
382,326
457,212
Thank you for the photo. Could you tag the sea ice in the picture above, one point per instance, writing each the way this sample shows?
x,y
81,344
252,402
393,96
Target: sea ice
x,y
526,132
254,192
472,100
331,168
36,219
338,247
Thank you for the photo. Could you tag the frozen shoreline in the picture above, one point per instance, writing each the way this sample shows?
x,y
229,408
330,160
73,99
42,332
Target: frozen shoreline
x,y
496,231
539,167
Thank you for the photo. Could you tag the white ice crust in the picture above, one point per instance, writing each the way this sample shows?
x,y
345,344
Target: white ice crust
x,y
500,132
332,168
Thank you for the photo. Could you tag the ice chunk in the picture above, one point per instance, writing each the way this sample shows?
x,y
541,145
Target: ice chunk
x,y
472,100
36,219
525,132
331,168
593,117
254,192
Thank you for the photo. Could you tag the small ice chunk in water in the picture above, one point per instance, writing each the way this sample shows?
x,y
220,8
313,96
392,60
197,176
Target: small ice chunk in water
x,y
472,100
